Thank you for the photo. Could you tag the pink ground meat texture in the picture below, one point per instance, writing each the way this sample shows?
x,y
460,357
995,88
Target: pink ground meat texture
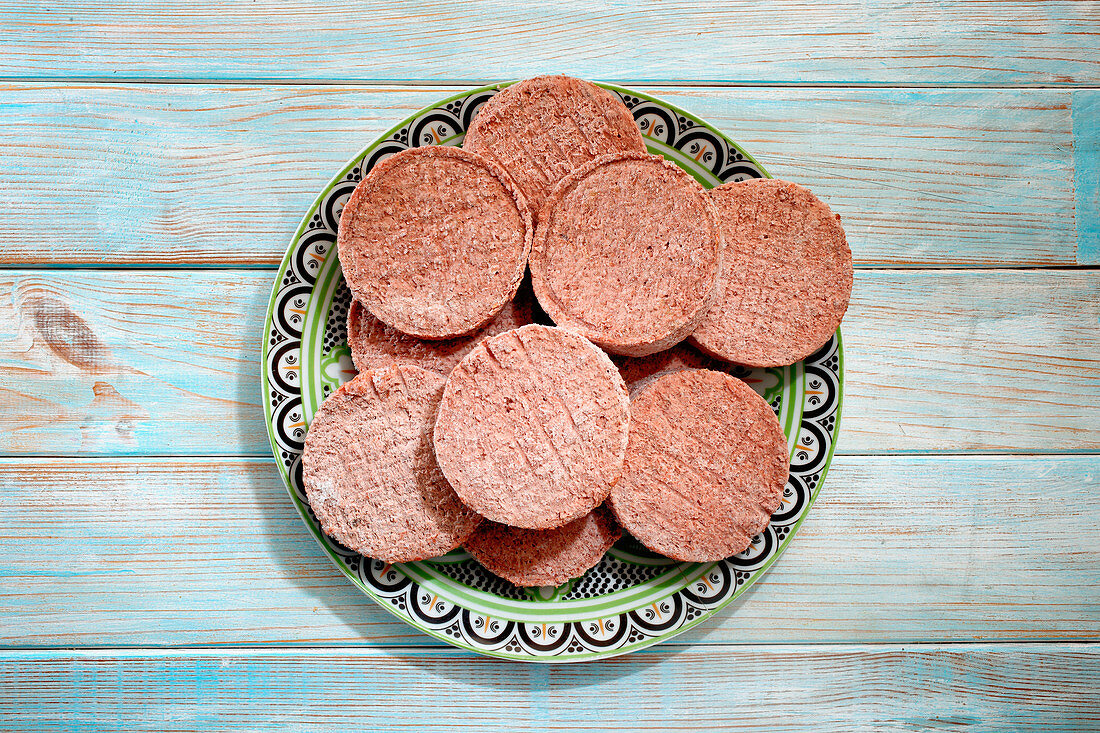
x,y
537,557
533,427
542,129
374,344
705,467
434,241
370,473
787,275
628,254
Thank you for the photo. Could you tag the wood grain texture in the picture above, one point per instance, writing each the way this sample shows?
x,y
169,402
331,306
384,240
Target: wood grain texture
x,y
794,41
965,361
745,688
157,552
1086,157
215,175
131,362
987,156
149,362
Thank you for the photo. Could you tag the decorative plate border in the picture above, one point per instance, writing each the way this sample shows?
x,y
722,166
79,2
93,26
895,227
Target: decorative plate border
x,y
675,134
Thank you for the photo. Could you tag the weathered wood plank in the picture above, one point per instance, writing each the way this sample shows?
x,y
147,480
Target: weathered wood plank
x,y
743,688
1086,157
956,360
159,552
124,362
880,41
120,362
222,174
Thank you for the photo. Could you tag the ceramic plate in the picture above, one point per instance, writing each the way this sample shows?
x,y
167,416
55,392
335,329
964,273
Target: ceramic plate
x,y
633,598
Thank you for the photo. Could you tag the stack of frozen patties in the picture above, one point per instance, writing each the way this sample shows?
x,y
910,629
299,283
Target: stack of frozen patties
x,y
475,423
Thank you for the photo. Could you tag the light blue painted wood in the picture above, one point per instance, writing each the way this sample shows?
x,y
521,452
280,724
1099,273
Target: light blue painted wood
x,y
166,362
160,552
970,359
117,362
215,175
875,41
200,551
1086,156
744,688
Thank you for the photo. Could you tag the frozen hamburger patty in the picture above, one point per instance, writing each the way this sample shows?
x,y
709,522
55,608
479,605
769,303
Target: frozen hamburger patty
x,y
434,241
374,344
370,473
705,467
542,129
627,253
533,427
787,275
536,557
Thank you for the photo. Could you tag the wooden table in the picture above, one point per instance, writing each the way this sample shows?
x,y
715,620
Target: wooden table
x,y
154,161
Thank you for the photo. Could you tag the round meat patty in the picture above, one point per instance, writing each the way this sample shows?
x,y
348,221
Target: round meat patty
x,y
530,557
542,129
374,344
370,473
434,241
705,468
627,253
787,275
533,427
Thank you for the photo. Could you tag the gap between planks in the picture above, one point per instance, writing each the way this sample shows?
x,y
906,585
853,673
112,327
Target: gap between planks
x,y
472,83
434,647
439,648
273,267
263,457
